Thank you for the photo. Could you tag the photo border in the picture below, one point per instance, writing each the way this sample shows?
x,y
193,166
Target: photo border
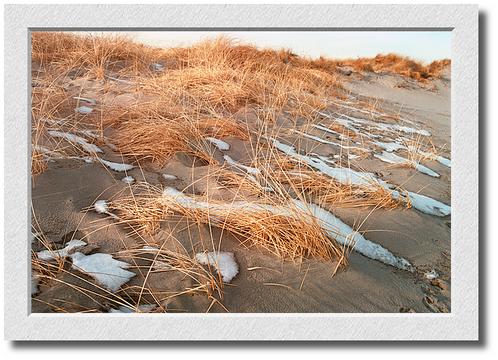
x,y
463,321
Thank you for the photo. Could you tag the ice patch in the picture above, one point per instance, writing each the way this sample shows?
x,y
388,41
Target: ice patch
x,y
48,255
223,261
91,148
128,180
220,144
116,166
248,169
107,271
395,159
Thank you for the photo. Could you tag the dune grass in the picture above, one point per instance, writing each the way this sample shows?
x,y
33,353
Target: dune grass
x,y
219,89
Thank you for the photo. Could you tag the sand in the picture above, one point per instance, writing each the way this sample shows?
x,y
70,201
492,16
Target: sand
x,y
64,194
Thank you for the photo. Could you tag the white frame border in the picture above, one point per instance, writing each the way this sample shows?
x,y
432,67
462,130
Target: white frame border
x,y
461,324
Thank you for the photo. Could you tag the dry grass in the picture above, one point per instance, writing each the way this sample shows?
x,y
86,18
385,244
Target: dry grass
x,y
404,66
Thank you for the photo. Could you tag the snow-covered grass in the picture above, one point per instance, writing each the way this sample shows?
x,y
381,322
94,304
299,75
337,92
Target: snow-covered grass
x,y
334,228
223,261
108,272
220,144
350,177
90,148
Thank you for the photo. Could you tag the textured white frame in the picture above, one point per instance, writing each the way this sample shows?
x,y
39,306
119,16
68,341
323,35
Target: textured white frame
x,y
461,324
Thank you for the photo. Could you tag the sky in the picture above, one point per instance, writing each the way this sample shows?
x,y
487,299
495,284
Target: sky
x,y
424,46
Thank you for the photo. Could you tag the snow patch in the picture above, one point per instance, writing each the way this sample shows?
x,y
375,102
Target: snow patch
x,y
84,110
347,176
248,169
116,166
169,177
48,255
223,261
342,175
431,275
220,144
91,148
389,147
128,180
101,207
107,271
395,159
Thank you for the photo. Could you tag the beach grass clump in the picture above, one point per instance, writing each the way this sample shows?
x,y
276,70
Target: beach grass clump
x,y
283,229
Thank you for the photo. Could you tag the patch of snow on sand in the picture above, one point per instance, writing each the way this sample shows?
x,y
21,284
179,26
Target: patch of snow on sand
x,y
169,177
116,166
395,159
91,148
347,176
425,204
100,206
431,275
323,141
107,271
446,162
388,127
128,180
342,175
84,110
248,169
334,227
389,147
345,235
223,261
48,255
220,144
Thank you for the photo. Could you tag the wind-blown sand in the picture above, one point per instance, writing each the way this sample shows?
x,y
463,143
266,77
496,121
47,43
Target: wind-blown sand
x,y
64,194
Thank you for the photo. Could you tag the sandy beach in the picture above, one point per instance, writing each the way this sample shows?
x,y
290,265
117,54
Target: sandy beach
x,y
203,182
